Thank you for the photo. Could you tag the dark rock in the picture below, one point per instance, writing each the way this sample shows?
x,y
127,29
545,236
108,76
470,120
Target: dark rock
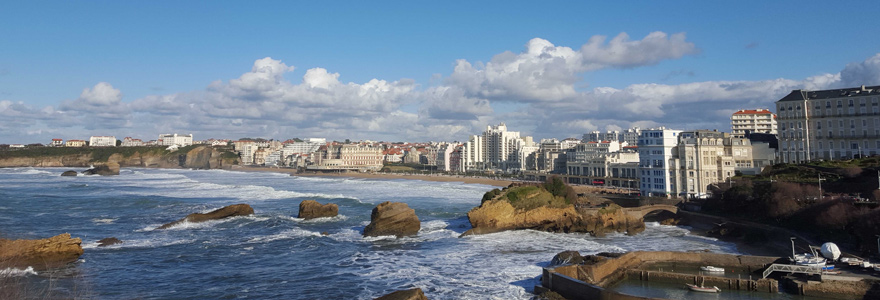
x,y
226,212
411,294
110,168
393,218
310,209
69,173
567,258
53,252
108,241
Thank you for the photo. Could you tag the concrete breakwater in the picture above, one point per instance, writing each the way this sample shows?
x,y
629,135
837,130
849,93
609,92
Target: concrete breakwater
x,y
589,280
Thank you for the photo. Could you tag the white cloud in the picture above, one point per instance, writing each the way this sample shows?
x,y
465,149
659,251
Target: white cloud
x,y
546,72
102,94
863,73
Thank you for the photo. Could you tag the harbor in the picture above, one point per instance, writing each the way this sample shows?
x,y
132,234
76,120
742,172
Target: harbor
x,y
684,275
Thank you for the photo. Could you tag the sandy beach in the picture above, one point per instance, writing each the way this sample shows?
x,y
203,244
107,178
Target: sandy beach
x,y
439,178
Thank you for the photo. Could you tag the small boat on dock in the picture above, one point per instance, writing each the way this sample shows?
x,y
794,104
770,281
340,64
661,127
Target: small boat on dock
x,y
696,288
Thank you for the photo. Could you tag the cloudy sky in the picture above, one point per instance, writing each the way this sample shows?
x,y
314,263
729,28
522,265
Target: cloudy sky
x,y
412,71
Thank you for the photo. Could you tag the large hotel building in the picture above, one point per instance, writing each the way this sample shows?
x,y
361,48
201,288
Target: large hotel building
x,y
829,124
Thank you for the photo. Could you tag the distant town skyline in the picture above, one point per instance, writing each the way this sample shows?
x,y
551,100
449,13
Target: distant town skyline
x,y
413,71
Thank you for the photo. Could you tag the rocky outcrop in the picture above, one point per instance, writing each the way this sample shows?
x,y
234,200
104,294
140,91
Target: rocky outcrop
x,y
69,173
225,212
53,252
108,169
411,294
393,218
108,241
499,215
310,209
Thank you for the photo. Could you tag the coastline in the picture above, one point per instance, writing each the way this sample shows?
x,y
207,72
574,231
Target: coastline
x,y
436,178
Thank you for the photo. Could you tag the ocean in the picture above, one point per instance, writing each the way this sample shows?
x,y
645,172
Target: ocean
x,y
273,254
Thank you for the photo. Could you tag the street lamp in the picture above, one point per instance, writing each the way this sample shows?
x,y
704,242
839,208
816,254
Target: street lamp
x,y
793,256
878,244
820,186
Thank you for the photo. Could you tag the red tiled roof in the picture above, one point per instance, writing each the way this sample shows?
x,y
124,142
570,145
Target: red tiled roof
x,y
752,112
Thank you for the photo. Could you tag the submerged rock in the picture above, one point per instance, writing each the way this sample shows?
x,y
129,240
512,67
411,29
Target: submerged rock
x,y
53,252
411,294
393,218
225,212
310,209
108,241
69,173
111,168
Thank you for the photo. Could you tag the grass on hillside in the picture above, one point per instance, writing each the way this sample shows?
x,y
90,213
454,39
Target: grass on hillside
x,y
531,197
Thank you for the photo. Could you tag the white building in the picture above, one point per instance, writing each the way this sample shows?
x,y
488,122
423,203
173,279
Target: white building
x,y
102,141
829,124
444,157
705,157
752,121
57,143
631,136
181,140
472,155
655,151
130,142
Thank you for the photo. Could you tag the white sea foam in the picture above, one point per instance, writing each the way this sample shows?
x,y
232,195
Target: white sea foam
x,y
336,218
15,272
285,235
104,221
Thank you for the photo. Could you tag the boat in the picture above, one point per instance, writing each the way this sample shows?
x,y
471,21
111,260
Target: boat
x,y
712,269
696,288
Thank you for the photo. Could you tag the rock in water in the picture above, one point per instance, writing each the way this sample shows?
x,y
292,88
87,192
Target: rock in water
x,y
69,173
108,241
567,258
41,254
111,168
393,218
411,294
310,209
226,212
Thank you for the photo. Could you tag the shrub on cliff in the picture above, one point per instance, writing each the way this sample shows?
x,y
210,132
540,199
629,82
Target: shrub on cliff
x,y
558,188
490,195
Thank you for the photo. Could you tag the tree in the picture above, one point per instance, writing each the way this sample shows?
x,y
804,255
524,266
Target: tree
x,y
118,143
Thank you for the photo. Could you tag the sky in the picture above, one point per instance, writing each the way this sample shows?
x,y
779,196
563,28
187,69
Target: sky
x,y
412,70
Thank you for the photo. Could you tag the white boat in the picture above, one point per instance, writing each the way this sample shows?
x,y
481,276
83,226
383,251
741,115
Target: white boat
x,y
712,269
695,288
867,265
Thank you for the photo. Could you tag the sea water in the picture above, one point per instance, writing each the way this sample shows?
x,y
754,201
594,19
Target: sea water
x,y
273,254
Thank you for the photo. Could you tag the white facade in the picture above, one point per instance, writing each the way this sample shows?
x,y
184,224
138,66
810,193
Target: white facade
x,y
472,157
655,151
752,121
102,141
181,140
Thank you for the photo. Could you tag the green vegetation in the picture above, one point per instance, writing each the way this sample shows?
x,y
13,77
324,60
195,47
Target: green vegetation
x,y
97,154
490,195
789,195
531,197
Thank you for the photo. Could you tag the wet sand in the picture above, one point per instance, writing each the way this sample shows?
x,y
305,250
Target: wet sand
x,y
438,178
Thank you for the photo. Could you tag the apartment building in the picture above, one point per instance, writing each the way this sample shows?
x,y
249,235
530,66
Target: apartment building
x,y
181,140
705,157
102,141
746,121
656,148
829,124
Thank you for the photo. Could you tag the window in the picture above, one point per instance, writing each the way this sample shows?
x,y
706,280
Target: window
x,y
819,125
850,103
852,123
820,145
827,104
839,104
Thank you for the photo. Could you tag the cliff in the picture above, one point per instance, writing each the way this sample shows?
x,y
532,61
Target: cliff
x,y
196,157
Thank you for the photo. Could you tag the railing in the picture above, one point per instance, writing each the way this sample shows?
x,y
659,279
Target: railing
x,y
812,270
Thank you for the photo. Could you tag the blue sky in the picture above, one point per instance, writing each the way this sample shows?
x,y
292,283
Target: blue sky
x,y
189,53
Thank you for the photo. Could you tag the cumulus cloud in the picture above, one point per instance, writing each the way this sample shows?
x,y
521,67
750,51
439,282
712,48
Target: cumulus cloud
x,y
862,73
546,72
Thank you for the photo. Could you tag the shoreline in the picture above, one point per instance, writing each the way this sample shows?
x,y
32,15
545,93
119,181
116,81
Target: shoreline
x,y
435,178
